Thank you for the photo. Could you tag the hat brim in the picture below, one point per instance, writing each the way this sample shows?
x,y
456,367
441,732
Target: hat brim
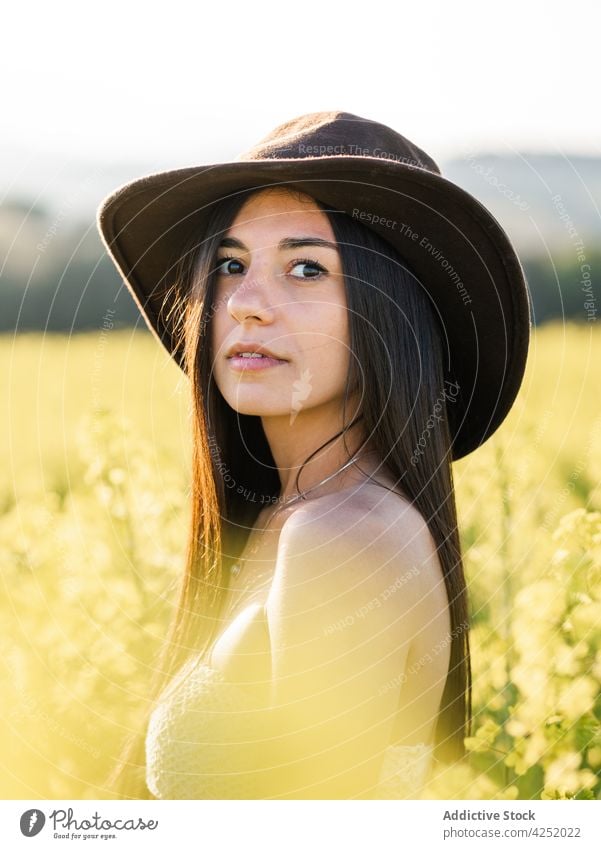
x,y
456,247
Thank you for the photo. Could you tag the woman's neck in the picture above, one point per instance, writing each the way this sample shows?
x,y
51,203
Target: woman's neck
x,y
292,443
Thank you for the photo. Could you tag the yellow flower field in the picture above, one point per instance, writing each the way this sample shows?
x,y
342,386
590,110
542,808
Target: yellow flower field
x,y
93,522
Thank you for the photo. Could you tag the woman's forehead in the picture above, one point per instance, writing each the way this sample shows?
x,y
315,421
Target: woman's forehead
x,y
281,207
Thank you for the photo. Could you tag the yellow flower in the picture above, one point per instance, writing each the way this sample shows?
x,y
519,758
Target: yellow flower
x,y
586,618
568,524
117,476
566,660
564,776
542,600
516,728
577,697
560,555
534,749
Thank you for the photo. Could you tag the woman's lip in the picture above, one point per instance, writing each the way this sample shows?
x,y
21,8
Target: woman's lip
x,y
253,363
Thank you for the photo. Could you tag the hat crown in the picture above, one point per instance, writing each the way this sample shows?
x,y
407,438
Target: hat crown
x,y
339,134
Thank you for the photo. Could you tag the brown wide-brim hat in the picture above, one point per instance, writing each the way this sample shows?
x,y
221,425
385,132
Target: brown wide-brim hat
x,y
458,250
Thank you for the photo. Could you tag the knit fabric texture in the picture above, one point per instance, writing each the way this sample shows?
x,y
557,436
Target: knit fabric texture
x,y
204,736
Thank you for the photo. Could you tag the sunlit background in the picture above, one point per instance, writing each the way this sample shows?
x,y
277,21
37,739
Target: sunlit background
x,y
94,438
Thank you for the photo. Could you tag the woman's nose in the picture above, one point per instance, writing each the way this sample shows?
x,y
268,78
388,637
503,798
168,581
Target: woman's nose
x,y
254,297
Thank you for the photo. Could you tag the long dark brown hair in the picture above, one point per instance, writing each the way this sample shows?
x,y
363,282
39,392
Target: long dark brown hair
x,y
396,358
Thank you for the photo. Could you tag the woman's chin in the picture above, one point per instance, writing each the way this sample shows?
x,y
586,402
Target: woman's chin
x,y
258,407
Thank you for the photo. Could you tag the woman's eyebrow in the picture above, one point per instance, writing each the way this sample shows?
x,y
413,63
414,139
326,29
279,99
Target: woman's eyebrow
x,y
284,244
305,241
230,242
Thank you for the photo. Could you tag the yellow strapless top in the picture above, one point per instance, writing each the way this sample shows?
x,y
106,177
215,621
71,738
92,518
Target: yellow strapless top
x,y
204,734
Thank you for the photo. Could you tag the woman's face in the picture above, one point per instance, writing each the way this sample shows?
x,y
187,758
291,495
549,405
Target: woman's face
x,y
279,284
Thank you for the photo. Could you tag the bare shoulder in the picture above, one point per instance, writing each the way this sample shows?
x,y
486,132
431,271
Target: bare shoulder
x,y
370,520
368,545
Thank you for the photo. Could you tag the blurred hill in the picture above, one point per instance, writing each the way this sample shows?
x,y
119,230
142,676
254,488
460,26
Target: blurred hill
x,y
519,191
55,274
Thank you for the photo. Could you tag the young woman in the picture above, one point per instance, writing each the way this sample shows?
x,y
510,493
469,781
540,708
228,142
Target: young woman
x,y
350,322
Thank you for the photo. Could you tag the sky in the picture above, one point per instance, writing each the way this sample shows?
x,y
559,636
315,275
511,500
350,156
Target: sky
x,y
175,84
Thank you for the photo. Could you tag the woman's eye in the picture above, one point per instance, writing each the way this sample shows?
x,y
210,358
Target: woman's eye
x,y
228,265
308,268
